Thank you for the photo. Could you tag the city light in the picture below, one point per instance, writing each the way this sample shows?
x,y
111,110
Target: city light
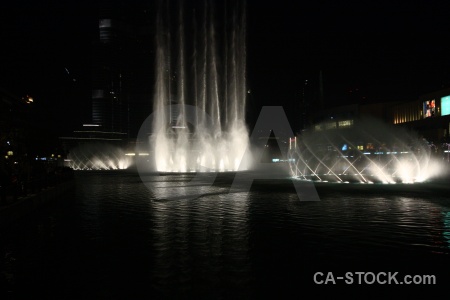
x,y
27,99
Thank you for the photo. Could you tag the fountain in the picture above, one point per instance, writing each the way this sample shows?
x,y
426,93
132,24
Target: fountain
x,y
198,122
98,156
367,152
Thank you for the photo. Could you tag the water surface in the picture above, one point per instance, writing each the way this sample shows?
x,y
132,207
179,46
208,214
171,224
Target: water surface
x,y
113,238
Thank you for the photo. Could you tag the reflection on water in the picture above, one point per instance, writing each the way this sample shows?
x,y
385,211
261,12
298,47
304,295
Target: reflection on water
x,y
203,242
117,237
446,232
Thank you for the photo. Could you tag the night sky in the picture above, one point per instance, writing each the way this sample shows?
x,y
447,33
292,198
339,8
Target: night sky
x,y
368,52
387,51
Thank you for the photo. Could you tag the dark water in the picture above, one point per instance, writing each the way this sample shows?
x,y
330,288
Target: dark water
x,y
112,238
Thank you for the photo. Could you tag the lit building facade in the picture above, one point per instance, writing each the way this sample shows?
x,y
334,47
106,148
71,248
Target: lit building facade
x,y
406,112
429,115
337,117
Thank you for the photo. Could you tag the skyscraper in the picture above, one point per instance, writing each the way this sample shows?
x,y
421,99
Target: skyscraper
x,y
108,105
122,67
121,75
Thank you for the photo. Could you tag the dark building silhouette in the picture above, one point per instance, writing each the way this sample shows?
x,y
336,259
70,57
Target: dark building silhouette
x,y
122,75
311,102
122,66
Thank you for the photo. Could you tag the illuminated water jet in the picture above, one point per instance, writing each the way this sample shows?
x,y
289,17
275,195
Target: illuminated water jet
x,y
371,151
98,156
208,73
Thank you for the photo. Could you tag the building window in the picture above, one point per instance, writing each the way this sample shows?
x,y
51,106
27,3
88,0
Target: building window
x,y
105,28
345,123
330,125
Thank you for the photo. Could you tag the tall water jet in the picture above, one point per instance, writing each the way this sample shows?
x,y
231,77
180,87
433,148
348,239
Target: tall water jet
x,y
207,72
